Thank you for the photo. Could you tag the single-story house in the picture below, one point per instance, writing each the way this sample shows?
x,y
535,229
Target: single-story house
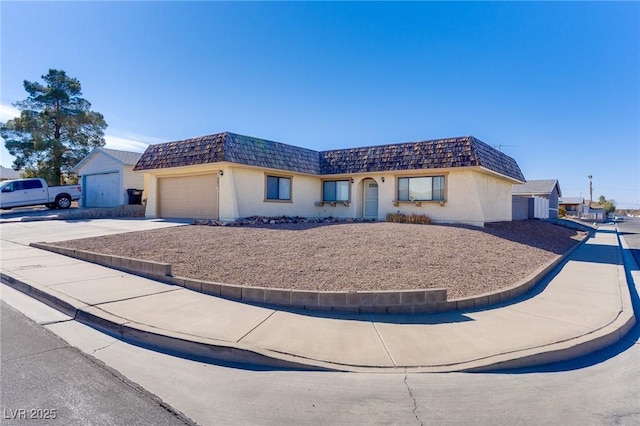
x,y
533,190
9,174
574,206
583,209
595,212
227,176
105,176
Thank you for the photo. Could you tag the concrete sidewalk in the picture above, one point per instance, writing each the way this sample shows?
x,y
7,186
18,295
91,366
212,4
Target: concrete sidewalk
x,y
583,305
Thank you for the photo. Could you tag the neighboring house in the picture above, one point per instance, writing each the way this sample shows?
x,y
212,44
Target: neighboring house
x,y
8,174
573,205
594,212
542,199
228,176
105,175
580,208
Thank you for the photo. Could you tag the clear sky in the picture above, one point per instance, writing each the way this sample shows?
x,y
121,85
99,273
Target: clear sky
x,y
554,85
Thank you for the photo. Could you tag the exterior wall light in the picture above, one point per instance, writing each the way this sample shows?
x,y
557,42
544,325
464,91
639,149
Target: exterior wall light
x,y
382,179
221,172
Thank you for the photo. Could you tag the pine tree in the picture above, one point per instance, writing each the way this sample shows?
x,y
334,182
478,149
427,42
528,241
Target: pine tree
x,y
55,130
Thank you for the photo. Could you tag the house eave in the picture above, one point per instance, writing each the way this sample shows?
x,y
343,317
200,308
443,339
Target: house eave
x,y
494,173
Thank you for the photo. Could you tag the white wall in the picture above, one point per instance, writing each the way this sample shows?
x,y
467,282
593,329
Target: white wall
x,y
100,163
131,180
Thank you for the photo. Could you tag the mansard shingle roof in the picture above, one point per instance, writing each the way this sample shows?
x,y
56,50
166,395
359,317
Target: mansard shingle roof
x,y
232,148
455,152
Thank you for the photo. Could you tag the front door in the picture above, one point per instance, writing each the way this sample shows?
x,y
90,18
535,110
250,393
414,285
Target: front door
x,y
370,209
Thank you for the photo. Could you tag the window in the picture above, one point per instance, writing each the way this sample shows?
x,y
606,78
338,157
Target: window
x,y
335,190
421,188
32,184
278,188
15,186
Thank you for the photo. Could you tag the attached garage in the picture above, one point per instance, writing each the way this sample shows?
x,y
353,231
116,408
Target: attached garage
x,y
106,175
194,197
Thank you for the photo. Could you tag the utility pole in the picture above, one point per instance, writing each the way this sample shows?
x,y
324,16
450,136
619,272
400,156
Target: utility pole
x,y
590,190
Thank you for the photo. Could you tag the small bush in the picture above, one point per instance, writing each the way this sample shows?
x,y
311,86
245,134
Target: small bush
x,y
405,218
562,212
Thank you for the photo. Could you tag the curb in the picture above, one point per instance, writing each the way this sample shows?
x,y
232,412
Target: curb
x,y
591,342
216,351
143,336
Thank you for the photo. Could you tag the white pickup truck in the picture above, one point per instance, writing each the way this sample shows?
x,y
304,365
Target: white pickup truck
x,y
34,191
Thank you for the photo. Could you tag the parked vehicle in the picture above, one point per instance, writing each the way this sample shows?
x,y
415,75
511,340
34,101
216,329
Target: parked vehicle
x,y
34,191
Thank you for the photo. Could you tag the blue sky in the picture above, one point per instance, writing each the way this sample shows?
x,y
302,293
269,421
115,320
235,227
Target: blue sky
x,y
554,85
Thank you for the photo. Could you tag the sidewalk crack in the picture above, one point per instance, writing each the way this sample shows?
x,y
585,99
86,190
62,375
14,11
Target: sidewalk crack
x,y
97,305
45,323
104,347
413,398
257,325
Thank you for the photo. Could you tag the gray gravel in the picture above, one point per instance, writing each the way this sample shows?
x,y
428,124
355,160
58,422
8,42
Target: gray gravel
x,y
361,256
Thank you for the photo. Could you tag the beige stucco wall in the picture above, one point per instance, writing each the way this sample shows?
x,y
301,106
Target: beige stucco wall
x,y
494,195
248,185
461,204
473,196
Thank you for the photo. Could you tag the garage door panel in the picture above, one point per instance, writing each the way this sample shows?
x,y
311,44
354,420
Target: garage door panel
x,y
193,197
102,190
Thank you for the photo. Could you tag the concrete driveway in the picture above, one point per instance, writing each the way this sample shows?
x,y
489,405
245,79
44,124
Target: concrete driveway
x,y
16,214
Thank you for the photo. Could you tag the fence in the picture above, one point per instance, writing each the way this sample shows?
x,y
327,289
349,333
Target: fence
x,y
540,208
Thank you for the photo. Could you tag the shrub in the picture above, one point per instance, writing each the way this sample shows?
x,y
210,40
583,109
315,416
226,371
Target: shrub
x,y
562,212
412,218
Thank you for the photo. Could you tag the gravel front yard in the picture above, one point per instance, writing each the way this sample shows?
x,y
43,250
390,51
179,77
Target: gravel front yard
x,y
358,256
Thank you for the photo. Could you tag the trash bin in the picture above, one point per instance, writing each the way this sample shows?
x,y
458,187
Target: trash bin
x,y
135,196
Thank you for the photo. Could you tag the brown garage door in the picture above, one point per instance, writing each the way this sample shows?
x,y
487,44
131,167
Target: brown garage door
x,y
191,197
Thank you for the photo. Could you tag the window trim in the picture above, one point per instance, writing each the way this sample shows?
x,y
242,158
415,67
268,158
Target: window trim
x,y
445,176
266,188
347,180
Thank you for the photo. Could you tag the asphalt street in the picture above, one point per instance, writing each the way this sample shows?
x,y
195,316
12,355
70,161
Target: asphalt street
x,y
44,380
630,230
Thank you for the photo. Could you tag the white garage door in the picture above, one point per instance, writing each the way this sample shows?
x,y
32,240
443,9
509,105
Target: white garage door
x,y
102,190
190,197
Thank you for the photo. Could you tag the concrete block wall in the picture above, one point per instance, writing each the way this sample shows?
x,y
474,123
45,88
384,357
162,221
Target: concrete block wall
x,y
384,301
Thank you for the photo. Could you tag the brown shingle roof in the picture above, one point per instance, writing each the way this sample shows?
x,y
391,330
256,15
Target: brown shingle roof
x,y
232,148
188,152
455,152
